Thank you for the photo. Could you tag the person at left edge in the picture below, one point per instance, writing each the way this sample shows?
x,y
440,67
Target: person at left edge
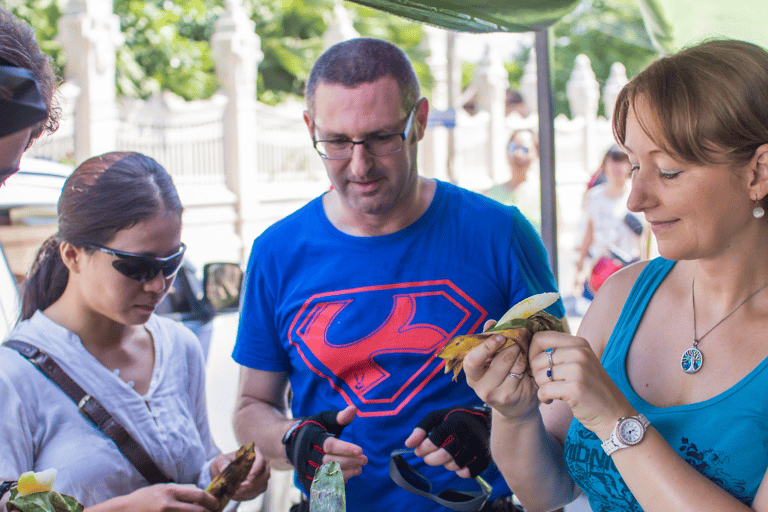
x,y
350,298
28,106
89,304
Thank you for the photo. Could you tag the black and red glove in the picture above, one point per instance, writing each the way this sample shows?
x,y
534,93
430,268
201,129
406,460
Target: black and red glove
x,y
464,432
304,444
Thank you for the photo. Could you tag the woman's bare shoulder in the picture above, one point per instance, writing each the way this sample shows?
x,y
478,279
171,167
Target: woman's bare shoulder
x,y
603,313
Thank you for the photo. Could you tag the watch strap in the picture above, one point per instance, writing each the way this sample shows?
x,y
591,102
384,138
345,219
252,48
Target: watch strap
x,y
614,442
290,431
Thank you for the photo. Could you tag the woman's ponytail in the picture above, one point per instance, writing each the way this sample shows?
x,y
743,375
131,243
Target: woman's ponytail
x,y
47,279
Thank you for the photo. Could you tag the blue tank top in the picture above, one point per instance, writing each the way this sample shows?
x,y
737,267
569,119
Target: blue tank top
x,y
725,438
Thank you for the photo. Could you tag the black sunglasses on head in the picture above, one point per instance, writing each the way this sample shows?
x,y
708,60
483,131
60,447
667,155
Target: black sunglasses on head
x,y
143,268
22,104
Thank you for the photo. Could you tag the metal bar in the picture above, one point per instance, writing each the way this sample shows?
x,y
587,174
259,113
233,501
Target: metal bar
x,y
546,148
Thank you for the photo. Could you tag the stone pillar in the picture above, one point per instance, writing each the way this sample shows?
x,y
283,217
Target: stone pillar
x,y
90,35
341,28
492,82
529,84
237,53
616,81
583,95
434,147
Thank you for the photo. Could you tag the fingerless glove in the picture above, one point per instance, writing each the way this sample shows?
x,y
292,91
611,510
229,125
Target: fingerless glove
x,y
464,432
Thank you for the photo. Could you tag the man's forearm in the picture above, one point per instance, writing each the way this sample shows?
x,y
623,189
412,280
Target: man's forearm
x,y
264,425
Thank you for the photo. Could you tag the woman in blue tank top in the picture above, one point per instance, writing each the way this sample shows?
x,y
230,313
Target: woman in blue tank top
x,y
659,402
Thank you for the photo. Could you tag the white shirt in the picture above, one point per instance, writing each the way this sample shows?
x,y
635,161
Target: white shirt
x,y
42,428
607,216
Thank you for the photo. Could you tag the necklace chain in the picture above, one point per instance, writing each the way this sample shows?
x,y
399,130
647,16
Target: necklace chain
x,y
697,339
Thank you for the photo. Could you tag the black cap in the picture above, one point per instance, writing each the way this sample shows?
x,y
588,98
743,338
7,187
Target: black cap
x,y
25,106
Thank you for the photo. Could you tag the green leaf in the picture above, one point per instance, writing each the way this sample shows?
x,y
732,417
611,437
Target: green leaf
x,y
50,501
327,491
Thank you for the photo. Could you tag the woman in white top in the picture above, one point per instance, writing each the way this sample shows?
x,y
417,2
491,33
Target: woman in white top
x,y
613,235
89,304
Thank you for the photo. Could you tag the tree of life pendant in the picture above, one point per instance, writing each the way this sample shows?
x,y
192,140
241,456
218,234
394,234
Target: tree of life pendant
x,y
691,360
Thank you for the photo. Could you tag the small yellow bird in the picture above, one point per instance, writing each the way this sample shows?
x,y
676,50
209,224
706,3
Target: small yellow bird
x,y
517,325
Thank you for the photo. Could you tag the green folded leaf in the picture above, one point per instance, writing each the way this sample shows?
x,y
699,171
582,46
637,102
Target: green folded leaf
x,y
541,321
50,501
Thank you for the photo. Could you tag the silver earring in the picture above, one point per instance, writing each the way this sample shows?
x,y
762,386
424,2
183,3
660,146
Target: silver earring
x,y
758,212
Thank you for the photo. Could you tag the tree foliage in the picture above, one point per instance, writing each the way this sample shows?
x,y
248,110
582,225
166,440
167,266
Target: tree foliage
x,y
292,31
166,42
43,16
606,31
166,47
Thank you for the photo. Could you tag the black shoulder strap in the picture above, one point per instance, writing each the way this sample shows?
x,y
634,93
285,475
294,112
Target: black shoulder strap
x,y
93,411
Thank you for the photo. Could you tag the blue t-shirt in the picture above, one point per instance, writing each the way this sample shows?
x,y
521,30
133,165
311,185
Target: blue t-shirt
x,y
360,320
724,438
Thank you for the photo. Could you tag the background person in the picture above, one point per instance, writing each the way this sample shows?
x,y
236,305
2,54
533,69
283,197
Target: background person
x,y
27,88
699,153
89,304
350,298
612,234
520,190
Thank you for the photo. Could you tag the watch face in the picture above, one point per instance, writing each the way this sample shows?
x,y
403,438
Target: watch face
x,y
631,431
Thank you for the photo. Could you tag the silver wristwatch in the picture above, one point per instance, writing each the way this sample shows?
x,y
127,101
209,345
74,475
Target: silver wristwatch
x,y
627,432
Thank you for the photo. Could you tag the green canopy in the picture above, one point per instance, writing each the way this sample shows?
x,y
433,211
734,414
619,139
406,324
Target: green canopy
x,y
528,15
479,15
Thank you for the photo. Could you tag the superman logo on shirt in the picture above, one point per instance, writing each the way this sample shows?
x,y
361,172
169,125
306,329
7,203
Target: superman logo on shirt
x,y
377,346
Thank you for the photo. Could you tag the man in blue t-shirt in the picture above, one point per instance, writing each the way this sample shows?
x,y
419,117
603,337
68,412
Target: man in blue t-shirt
x,y
349,299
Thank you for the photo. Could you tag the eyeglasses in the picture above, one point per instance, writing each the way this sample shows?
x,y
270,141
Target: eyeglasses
x,y
377,145
513,146
143,268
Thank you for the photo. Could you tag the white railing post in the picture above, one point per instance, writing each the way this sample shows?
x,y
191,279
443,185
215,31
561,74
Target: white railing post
x,y
434,150
583,93
340,29
90,35
491,82
616,81
237,54
528,84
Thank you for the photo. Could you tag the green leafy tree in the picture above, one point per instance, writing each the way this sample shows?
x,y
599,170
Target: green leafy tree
x,y
43,16
291,39
606,31
292,31
166,42
166,47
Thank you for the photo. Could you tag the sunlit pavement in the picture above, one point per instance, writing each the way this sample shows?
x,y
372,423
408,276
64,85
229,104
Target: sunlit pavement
x,y
221,389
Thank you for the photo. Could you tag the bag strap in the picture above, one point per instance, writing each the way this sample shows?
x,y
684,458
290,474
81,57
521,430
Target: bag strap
x,y
93,411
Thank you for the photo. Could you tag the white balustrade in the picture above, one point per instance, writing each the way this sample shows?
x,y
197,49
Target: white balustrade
x,y
256,163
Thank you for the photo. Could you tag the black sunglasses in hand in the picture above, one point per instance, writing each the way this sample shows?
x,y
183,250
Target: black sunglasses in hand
x,y
143,268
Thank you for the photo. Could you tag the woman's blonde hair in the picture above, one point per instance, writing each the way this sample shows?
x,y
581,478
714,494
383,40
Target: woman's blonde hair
x,y
707,104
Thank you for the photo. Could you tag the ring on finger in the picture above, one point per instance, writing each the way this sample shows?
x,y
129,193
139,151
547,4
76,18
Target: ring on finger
x,y
549,352
518,376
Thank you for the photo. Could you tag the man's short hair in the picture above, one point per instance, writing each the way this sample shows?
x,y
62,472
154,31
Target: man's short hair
x,y
364,60
19,48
